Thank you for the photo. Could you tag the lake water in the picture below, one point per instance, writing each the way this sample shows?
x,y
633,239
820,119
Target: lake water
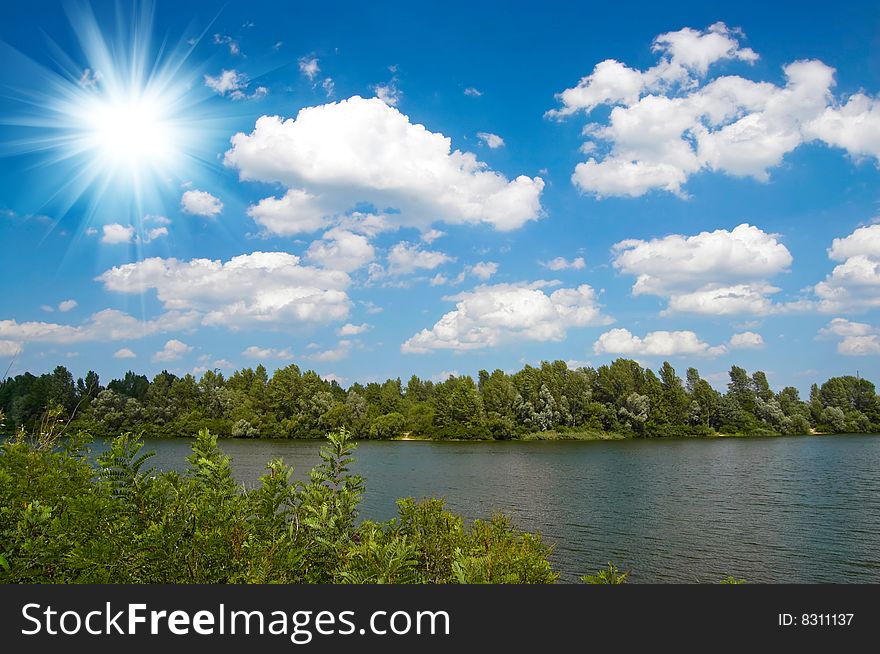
x,y
796,509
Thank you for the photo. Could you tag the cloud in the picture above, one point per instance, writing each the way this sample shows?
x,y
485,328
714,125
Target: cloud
x,y
172,351
388,93
228,41
721,300
443,375
854,284
431,235
405,258
844,327
859,345
493,315
154,233
263,353
350,329
341,351
226,82
67,305
659,343
746,340
719,273
853,126
341,250
483,270
9,348
200,203
106,325
233,84
683,55
362,150
296,212
270,289
561,263
329,87
492,140
473,92
124,353
116,233
670,121
856,338
308,66
371,307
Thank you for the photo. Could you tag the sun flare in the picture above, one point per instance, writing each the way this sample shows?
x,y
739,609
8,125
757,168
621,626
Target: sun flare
x,y
123,125
133,131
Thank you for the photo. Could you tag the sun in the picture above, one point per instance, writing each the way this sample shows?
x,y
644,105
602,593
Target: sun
x,y
121,124
133,132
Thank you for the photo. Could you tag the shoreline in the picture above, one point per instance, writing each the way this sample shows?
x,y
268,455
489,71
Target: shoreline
x,y
555,437
546,437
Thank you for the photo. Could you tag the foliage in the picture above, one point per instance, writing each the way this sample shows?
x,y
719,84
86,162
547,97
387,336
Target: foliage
x,y
65,520
609,575
732,580
621,398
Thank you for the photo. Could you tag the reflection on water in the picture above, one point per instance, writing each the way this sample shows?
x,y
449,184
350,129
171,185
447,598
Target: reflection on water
x,y
799,509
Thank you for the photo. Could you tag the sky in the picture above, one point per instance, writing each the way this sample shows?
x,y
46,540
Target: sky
x,y
374,190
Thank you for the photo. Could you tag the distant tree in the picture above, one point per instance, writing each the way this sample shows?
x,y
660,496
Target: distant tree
x,y
674,404
131,385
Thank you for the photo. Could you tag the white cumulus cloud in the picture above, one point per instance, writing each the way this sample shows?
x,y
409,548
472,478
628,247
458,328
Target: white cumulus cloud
x,y
856,338
340,249
405,258
341,351
172,351
200,203
116,233
10,348
854,284
363,150
658,343
561,263
672,120
746,340
493,141
350,329
492,315
721,272
296,212
106,325
483,270
270,289
263,353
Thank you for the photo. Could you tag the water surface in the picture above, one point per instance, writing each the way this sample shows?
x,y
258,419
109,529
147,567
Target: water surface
x,y
796,509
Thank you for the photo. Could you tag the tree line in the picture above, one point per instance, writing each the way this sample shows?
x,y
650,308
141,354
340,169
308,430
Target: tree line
x,y
550,400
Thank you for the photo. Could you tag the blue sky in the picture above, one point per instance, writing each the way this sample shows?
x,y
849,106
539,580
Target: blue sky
x,y
375,191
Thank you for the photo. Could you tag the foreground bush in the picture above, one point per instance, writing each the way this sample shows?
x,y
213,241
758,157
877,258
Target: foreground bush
x,y
65,520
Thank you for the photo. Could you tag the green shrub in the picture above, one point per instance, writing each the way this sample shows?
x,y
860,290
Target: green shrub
x,y
65,520
609,575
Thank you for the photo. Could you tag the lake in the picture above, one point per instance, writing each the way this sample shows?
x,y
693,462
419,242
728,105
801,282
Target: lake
x,y
792,509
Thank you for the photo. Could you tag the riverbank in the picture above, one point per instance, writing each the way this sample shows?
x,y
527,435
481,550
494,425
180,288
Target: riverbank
x,y
599,435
